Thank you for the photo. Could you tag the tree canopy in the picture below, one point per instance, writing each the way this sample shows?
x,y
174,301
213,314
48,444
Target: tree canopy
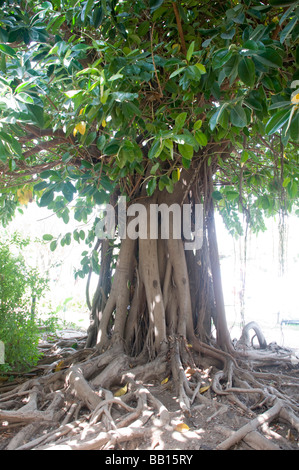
x,y
98,95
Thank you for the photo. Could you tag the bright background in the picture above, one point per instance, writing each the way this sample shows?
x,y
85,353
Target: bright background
x,y
269,298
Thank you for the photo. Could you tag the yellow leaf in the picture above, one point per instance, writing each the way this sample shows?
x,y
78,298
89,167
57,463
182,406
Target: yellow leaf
x,y
59,366
176,46
81,111
121,391
295,99
24,196
104,123
182,427
164,381
189,346
204,389
179,174
81,127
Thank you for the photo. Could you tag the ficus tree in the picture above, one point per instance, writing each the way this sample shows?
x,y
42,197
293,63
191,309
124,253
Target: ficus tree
x,y
158,102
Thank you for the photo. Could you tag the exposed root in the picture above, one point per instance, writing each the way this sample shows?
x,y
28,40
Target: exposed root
x,y
278,410
111,400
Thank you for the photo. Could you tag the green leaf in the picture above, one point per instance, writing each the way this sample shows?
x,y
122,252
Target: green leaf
x,y
7,50
197,125
47,198
112,148
279,104
122,96
180,121
25,98
72,93
217,195
190,51
216,116
90,139
68,191
231,195
245,156
270,57
238,116
186,150
101,142
86,9
201,68
179,70
294,128
155,168
151,186
286,182
281,3
246,70
201,138
48,238
53,245
277,121
288,29
37,114
155,4
40,186
97,17
156,149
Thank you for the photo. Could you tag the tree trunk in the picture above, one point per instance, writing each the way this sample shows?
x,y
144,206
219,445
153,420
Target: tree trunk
x,y
160,290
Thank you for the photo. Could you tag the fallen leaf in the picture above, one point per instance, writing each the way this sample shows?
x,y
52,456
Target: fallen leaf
x,y
204,389
121,391
164,381
59,366
189,372
182,427
290,436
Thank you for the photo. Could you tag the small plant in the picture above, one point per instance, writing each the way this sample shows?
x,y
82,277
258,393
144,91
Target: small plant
x,y
20,290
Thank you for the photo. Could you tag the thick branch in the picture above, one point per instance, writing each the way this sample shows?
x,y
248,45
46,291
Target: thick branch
x,y
44,146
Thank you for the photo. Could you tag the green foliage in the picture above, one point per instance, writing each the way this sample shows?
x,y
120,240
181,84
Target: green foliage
x,y
105,94
20,290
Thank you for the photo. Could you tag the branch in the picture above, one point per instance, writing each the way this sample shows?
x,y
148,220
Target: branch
x,y
44,146
180,28
34,132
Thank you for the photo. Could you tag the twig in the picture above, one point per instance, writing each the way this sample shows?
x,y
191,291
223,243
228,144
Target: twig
x,y
180,28
154,64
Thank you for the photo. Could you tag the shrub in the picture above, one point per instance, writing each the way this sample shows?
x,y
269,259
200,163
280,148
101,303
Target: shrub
x,y
20,290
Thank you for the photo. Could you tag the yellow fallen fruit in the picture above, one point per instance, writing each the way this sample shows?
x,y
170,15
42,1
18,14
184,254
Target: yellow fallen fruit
x,y
121,391
182,427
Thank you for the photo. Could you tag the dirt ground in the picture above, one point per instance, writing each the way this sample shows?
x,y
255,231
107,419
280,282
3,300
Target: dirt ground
x,y
210,422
